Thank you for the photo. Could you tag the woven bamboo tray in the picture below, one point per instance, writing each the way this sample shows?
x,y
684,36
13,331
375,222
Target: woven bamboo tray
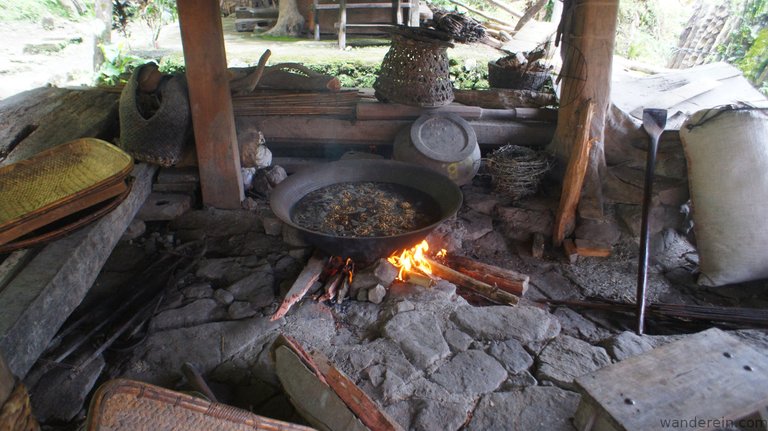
x,y
127,405
59,182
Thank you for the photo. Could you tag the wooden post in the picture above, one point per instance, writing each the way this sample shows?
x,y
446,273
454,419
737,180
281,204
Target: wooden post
x,y
588,31
342,24
212,116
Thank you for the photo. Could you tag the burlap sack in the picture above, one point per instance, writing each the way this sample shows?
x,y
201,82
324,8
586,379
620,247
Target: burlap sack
x,y
727,153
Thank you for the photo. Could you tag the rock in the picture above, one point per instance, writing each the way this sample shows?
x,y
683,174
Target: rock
x,y
135,229
566,358
223,296
403,306
438,415
757,338
523,323
626,345
182,188
230,269
275,175
253,152
491,244
472,373
479,200
419,336
476,225
380,272
240,310
293,237
533,408
521,380
164,206
362,295
520,223
660,217
247,175
554,285
377,293
457,340
198,291
215,223
159,360
197,313
511,355
605,232
448,235
61,393
178,175
256,288
273,226
363,314
575,325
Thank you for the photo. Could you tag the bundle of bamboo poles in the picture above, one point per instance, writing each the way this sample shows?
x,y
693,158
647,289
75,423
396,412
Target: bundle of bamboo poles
x,y
272,102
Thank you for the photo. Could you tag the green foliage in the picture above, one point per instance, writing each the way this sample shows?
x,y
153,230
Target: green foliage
x,y
117,65
747,45
172,64
157,13
31,10
647,29
464,74
350,73
468,74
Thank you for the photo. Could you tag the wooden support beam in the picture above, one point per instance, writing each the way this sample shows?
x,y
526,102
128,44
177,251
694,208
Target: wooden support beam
x,y
586,33
574,177
212,115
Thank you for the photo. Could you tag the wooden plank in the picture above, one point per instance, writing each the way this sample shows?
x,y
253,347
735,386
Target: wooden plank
x,y
574,177
324,130
42,118
40,298
308,276
367,110
585,247
706,377
212,115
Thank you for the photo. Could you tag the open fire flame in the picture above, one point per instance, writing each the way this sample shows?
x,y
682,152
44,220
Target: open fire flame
x,y
413,260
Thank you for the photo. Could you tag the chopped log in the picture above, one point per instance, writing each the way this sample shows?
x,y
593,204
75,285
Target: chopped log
x,y
280,76
570,250
511,281
486,290
300,287
499,98
537,246
246,84
574,177
585,247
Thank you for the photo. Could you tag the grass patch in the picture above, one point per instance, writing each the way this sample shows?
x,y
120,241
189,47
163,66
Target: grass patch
x,y
270,38
31,10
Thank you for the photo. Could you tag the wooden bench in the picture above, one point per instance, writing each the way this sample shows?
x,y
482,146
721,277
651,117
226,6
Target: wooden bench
x,y
403,12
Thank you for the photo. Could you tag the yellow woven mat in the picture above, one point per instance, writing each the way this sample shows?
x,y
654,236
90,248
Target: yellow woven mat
x,y
59,175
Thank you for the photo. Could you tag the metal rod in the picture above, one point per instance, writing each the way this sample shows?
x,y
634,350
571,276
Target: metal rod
x,y
654,121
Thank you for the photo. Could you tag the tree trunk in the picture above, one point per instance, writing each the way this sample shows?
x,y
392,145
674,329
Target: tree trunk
x,y
289,21
587,32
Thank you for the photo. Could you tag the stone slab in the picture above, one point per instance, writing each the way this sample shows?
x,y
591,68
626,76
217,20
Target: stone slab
x,y
164,206
534,408
41,297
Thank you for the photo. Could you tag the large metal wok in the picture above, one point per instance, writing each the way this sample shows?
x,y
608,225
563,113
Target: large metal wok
x,y
439,187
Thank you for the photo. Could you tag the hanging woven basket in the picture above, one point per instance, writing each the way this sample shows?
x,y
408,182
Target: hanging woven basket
x,y
415,69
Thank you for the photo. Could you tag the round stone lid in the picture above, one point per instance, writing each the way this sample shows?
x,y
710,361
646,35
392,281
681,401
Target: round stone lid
x,y
443,137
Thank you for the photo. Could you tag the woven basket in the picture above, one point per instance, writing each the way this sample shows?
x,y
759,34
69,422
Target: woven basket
x,y
127,405
16,413
160,138
415,69
517,171
500,77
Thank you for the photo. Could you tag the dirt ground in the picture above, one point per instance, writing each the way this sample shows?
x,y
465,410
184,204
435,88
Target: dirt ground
x,y
61,54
